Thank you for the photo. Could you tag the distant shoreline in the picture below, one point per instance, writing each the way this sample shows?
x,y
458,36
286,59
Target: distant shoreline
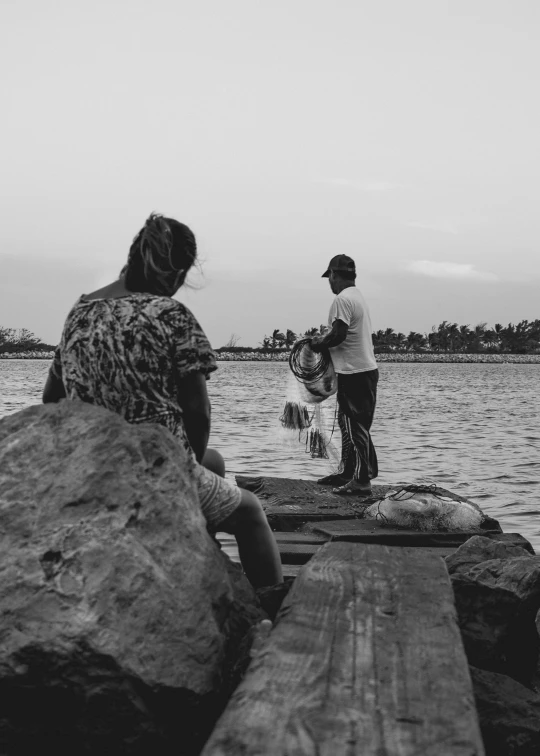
x,y
26,355
530,359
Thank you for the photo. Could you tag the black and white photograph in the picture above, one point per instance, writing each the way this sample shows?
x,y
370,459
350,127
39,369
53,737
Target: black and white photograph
x,y
270,378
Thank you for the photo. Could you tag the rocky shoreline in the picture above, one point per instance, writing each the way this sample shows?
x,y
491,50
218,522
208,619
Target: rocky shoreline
x,y
27,355
527,359
395,357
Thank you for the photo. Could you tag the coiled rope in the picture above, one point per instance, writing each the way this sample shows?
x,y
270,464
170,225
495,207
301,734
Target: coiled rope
x,y
303,374
407,492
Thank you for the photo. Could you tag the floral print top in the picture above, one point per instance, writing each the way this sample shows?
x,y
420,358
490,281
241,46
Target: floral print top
x,y
128,354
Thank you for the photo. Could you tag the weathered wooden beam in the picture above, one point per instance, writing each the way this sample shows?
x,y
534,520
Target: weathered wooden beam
x,y
291,570
300,554
366,659
373,531
285,538
294,548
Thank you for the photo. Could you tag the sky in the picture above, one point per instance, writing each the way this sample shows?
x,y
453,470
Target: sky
x,y
404,134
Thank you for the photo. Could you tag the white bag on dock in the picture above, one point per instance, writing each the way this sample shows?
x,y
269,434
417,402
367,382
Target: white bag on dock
x,y
425,511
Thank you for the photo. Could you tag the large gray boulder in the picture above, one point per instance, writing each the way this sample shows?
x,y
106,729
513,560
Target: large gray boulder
x,y
479,549
497,592
121,618
509,714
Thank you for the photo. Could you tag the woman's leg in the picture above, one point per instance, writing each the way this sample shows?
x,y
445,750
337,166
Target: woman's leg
x,y
213,461
257,546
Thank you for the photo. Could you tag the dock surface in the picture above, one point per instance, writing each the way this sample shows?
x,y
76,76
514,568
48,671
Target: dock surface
x,y
366,658
305,515
290,503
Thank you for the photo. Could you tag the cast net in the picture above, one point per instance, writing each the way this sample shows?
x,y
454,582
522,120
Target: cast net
x,y
311,382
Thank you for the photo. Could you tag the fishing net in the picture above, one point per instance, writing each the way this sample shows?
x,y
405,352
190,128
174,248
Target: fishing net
x,y
295,416
424,507
312,381
316,444
314,372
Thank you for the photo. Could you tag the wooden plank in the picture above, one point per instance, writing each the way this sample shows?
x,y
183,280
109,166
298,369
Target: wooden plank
x,y
298,548
304,555
291,570
283,537
371,531
298,553
294,550
366,659
289,503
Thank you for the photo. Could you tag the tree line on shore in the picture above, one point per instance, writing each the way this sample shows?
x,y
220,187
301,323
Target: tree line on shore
x,y
21,340
447,337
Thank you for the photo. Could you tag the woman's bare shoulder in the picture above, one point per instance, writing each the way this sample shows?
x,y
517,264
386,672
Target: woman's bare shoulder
x,y
111,291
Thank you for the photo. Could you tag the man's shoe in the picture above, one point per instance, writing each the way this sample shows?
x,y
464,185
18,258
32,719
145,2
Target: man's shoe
x,y
352,488
335,479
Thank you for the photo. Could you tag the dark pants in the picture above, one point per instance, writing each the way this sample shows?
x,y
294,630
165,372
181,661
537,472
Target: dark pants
x,y
357,396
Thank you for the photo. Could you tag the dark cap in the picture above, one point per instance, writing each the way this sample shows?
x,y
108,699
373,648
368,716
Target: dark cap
x,y
340,263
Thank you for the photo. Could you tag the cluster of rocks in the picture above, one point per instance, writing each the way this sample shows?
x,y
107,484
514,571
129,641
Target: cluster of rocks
x,y
437,357
497,594
392,357
26,355
124,627
252,356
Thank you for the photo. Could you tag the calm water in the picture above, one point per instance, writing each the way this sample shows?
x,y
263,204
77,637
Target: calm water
x,y
473,428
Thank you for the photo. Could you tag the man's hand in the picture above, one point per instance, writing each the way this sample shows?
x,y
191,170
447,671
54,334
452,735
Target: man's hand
x,y
335,336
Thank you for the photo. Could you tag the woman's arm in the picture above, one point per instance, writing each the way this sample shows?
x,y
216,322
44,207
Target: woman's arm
x,y
195,404
54,389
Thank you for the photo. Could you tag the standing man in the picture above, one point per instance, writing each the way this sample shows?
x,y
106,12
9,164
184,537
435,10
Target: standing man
x,y
351,349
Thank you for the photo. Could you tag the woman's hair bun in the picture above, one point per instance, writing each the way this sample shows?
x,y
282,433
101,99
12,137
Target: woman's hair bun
x,y
160,256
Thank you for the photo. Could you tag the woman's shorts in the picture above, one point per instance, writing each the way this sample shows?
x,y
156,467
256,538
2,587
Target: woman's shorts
x,y
218,497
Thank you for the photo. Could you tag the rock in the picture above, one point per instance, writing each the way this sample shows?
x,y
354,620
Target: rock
x,y
480,549
509,715
519,574
121,616
497,601
490,523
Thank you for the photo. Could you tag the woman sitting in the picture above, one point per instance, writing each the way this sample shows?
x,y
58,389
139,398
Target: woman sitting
x,y
131,348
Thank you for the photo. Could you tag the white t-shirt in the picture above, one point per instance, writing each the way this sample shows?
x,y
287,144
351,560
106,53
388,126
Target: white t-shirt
x,y
355,354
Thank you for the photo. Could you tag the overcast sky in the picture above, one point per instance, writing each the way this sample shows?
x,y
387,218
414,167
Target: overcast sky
x,y
404,133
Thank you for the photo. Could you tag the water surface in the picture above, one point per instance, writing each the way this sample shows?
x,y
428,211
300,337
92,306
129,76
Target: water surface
x,y
472,428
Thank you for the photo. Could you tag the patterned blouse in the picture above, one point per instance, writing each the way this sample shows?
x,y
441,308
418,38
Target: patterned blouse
x,y
127,355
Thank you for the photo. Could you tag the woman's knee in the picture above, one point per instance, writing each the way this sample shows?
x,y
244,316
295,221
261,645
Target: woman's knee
x,y
248,514
214,462
250,505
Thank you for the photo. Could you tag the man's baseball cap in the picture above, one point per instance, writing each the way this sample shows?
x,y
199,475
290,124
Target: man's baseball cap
x,y
340,263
